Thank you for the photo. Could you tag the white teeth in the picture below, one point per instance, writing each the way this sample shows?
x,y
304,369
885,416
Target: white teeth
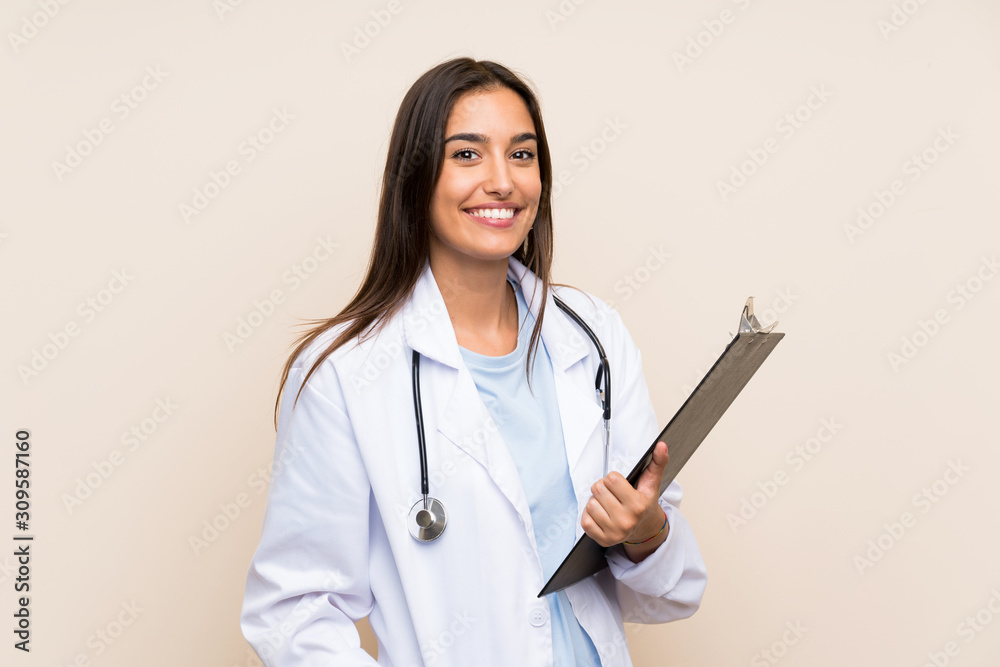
x,y
495,213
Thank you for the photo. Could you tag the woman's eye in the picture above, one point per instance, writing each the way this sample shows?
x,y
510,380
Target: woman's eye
x,y
467,154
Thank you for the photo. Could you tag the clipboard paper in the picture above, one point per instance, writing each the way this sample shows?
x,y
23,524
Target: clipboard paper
x,y
685,431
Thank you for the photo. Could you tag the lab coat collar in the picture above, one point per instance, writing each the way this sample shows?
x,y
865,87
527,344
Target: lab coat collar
x,y
427,327
428,330
563,341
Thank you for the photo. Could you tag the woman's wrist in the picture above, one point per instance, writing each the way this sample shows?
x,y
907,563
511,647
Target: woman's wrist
x,y
660,527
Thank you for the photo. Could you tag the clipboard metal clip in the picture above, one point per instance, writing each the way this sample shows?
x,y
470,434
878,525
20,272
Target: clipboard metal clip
x,y
750,324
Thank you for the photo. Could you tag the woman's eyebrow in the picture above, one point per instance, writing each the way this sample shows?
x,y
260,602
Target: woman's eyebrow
x,y
483,139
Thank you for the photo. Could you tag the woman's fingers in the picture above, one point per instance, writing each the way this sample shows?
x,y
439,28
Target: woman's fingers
x,y
615,508
610,516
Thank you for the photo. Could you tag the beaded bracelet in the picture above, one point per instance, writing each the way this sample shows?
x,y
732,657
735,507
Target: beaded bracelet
x,y
632,544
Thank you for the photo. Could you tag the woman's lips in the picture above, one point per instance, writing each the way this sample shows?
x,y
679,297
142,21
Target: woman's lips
x,y
501,223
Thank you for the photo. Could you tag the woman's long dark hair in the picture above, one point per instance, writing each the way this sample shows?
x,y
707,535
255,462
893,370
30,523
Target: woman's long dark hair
x,y
412,169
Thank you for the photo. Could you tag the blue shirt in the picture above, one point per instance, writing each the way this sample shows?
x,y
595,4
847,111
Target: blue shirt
x,y
529,424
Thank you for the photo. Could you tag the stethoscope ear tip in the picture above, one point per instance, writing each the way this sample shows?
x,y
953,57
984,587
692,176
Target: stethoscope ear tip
x,y
427,520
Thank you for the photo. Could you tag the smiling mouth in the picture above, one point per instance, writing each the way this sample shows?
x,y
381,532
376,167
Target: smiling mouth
x,y
493,213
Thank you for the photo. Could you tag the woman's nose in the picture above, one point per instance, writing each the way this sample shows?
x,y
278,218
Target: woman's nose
x,y
498,179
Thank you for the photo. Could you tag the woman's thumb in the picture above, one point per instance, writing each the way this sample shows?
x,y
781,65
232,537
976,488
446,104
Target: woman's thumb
x,y
649,481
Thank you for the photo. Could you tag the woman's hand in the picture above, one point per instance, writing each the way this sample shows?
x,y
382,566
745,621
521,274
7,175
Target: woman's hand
x,y
618,513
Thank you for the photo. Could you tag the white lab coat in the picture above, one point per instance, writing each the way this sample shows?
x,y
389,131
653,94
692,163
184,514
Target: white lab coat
x,y
335,546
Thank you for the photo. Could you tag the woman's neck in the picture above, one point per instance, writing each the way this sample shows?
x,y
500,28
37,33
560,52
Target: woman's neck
x,y
481,303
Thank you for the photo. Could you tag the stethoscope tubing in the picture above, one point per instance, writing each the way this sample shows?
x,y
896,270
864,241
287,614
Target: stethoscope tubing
x,y
419,412
604,370
427,519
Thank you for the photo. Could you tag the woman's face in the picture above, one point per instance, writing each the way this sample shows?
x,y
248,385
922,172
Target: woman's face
x,y
487,195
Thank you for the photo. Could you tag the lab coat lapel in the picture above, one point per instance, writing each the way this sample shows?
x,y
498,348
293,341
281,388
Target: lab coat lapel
x,y
447,388
568,347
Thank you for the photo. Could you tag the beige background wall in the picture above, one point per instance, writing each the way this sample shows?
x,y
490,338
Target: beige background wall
x,y
841,98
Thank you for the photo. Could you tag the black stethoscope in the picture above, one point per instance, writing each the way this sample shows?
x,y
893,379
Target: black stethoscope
x,y
427,519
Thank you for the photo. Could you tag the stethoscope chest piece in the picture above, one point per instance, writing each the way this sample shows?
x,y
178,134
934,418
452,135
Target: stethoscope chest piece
x,y
427,519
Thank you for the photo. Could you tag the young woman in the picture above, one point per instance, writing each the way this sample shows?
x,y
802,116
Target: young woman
x,y
451,372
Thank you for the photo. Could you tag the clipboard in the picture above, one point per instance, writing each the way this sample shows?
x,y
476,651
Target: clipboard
x,y
685,431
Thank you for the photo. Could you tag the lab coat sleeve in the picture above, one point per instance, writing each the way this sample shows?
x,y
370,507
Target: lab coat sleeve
x,y
669,583
308,580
